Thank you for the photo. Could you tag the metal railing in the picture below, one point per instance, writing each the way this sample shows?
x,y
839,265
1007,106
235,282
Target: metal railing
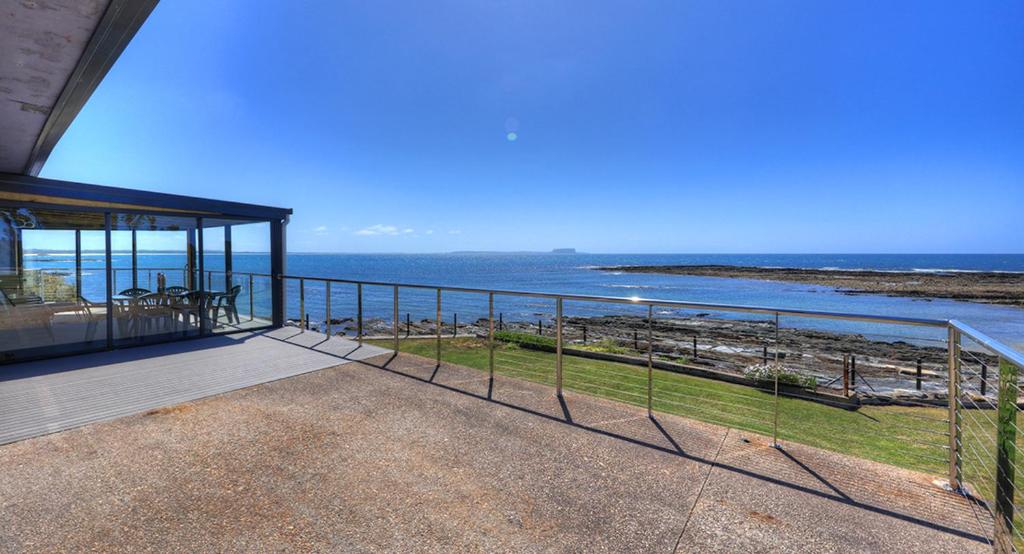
x,y
146,277
984,463
987,473
972,432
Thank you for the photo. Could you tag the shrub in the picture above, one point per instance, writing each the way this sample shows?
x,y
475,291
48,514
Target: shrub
x,y
765,373
607,346
526,340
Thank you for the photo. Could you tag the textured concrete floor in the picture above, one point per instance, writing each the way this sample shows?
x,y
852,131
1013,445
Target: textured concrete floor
x,y
393,455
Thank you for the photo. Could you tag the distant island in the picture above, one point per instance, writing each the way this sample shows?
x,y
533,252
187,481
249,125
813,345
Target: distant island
x,y
553,251
990,287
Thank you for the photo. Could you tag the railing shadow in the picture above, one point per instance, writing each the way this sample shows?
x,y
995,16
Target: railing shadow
x,y
565,418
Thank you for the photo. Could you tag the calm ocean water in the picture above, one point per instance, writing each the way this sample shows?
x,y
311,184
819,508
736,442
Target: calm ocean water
x,y
574,273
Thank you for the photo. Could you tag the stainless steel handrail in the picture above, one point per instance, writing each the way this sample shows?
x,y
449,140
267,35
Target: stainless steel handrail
x,y
643,302
1000,349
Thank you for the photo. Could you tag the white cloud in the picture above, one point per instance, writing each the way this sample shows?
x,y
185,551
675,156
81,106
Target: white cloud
x,y
388,230
428,232
320,231
455,232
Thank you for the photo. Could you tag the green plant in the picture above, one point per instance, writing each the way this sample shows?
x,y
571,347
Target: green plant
x,y
608,346
526,340
766,373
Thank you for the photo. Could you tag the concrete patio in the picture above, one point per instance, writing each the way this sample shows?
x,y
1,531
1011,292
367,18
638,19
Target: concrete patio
x,y
394,454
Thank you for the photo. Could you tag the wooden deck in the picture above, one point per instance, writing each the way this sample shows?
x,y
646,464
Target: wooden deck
x,y
37,398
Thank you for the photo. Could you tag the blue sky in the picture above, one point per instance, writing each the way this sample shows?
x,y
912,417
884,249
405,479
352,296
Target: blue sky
x,y
717,126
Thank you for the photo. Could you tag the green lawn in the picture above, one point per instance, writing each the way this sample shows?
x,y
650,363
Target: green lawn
x,y
910,437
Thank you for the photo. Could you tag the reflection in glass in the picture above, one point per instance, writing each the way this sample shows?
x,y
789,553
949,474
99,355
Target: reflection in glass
x,y
52,281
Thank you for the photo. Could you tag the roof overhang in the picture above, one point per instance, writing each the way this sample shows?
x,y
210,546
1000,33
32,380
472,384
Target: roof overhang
x,y
25,189
54,56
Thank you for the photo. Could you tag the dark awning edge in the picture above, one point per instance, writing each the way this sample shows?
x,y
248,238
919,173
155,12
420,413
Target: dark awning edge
x,y
26,185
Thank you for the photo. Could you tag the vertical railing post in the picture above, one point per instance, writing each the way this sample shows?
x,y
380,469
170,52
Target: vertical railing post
x,y
490,342
846,375
252,301
775,424
78,265
558,346
327,302
1006,455
394,321
984,379
650,360
953,376
437,328
359,312
302,303
135,260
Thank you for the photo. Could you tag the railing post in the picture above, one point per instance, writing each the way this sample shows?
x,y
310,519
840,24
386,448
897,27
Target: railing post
x,y
558,345
302,302
327,301
775,425
437,327
490,342
650,360
984,379
918,385
1006,454
846,375
394,321
252,294
953,376
359,312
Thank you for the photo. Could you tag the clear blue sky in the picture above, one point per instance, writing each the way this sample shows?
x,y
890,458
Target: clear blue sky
x,y
672,126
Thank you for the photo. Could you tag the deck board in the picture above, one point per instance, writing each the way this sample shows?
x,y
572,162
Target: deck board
x,y
41,397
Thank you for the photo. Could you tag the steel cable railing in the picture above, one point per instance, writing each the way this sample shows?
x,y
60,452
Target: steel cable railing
x,y
987,430
969,431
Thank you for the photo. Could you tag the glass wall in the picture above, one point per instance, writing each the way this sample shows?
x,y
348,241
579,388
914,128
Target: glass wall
x,y
236,260
152,299
73,281
52,282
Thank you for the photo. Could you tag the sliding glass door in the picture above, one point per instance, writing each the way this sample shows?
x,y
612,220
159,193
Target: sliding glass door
x,y
154,299
52,282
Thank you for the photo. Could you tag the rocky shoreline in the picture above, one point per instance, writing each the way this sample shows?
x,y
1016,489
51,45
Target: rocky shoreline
x,y
990,287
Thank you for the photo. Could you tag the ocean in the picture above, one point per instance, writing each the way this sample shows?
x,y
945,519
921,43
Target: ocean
x,y
576,274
